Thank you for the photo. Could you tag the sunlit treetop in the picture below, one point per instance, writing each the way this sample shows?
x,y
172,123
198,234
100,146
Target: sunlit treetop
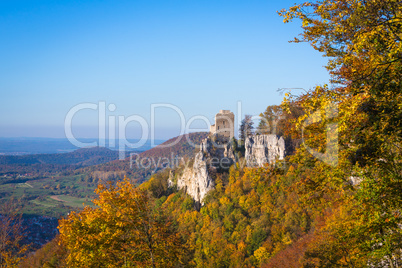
x,y
360,37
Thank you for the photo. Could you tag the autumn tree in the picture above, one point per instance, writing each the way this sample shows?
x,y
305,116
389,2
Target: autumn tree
x,y
157,185
125,230
51,255
12,249
362,40
246,128
270,120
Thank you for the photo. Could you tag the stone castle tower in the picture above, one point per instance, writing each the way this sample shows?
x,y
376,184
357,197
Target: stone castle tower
x,y
224,124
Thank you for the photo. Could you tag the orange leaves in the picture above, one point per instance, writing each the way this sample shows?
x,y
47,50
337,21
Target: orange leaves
x,y
360,36
124,230
235,225
11,236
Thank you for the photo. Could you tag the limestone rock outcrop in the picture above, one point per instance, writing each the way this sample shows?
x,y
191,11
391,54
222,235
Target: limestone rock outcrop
x,y
196,180
355,181
215,155
263,149
229,151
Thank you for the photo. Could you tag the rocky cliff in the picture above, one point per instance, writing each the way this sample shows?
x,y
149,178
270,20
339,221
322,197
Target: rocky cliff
x,y
216,155
196,180
263,149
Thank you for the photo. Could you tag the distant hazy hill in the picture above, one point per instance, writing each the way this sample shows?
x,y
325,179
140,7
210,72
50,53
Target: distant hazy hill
x,y
181,146
100,161
83,156
49,163
26,146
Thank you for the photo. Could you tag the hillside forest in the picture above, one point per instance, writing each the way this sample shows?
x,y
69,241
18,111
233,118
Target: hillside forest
x,y
334,202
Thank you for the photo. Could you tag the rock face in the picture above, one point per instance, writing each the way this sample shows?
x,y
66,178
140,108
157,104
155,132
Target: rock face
x,y
263,149
196,180
229,151
216,155
355,181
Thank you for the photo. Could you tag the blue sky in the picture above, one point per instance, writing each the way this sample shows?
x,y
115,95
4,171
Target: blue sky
x,y
199,56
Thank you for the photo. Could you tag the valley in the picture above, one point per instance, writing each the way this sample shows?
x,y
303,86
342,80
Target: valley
x,y
54,184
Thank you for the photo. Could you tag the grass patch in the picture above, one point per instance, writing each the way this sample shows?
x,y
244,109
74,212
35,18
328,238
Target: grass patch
x,y
23,185
34,196
73,201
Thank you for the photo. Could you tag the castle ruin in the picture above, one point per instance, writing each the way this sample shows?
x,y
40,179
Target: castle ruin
x,y
224,124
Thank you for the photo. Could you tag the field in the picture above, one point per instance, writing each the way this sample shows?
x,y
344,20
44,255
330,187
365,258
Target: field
x,y
55,184
72,201
53,196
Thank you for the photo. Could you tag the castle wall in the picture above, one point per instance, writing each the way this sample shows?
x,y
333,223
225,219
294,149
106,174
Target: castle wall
x,y
224,124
